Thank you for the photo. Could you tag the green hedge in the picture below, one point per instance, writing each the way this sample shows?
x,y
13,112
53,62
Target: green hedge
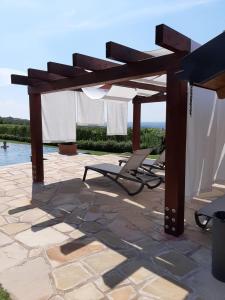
x,y
107,146
93,138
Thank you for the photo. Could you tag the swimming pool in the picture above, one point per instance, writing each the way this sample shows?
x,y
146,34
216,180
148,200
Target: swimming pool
x,y
19,153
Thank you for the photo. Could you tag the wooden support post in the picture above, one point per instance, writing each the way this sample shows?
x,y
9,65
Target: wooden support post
x,y
176,118
36,138
136,135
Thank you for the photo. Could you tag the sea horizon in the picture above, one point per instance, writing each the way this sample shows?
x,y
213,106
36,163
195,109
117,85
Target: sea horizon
x,y
160,125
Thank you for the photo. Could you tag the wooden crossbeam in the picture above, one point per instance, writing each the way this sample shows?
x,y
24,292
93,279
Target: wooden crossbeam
x,y
38,76
142,86
64,70
160,97
123,53
72,71
23,80
144,68
171,39
91,63
43,75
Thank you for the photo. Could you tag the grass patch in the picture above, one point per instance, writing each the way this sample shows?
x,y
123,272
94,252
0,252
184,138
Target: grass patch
x,y
95,152
4,295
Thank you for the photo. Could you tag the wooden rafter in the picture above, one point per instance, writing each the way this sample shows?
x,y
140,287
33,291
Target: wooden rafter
x,y
123,53
43,75
171,39
148,67
91,63
23,80
64,70
159,97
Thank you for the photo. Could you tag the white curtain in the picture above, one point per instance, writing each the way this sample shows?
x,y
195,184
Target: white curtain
x,y
89,111
117,109
219,160
201,141
58,117
117,117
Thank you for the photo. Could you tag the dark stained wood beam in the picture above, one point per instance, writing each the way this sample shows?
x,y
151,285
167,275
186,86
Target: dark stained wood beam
x,y
142,86
43,75
144,68
136,132
64,70
160,97
91,63
123,53
23,80
96,64
176,119
171,39
36,138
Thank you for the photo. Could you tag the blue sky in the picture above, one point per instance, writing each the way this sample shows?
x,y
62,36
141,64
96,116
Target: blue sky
x,y
34,32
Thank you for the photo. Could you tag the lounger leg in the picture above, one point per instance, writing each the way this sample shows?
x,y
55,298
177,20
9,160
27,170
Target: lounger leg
x,y
204,224
125,189
155,185
85,173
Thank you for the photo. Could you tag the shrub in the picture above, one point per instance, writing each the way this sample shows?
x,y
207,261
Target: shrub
x,y
93,138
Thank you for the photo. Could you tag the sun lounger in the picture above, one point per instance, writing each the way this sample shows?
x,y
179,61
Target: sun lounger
x,y
150,164
206,213
130,172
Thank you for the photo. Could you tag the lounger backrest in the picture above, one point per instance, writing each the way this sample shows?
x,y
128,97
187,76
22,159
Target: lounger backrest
x,y
135,161
160,159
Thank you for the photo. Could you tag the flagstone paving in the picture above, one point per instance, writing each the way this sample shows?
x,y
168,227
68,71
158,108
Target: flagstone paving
x,y
68,240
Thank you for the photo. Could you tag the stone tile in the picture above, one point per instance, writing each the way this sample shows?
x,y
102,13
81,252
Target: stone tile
x,y
35,252
4,239
11,255
161,288
176,263
3,207
203,257
63,227
28,281
42,237
32,215
76,234
122,293
2,221
106,283
69,276
206,286
57,297
184,246
87,292
111,240
125,230
90,227
14,228
104,261
74,250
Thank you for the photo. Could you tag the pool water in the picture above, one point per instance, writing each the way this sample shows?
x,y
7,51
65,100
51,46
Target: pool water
x,y
19,153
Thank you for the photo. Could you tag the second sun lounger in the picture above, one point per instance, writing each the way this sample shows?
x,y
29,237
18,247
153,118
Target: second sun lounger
x,y
130,171
150,164
206,213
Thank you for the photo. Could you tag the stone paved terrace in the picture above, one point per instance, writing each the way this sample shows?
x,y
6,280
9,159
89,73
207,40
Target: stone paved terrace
x,y
89,241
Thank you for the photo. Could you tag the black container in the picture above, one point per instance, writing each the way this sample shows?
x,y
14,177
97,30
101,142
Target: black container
x,y
218,246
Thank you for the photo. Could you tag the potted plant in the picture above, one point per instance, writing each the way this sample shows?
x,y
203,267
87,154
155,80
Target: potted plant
x,y
69,148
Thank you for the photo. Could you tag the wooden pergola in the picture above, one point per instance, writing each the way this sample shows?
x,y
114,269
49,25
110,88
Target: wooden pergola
x,y
135,65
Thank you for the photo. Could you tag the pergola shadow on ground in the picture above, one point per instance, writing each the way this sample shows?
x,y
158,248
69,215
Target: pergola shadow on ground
x,y
88,217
